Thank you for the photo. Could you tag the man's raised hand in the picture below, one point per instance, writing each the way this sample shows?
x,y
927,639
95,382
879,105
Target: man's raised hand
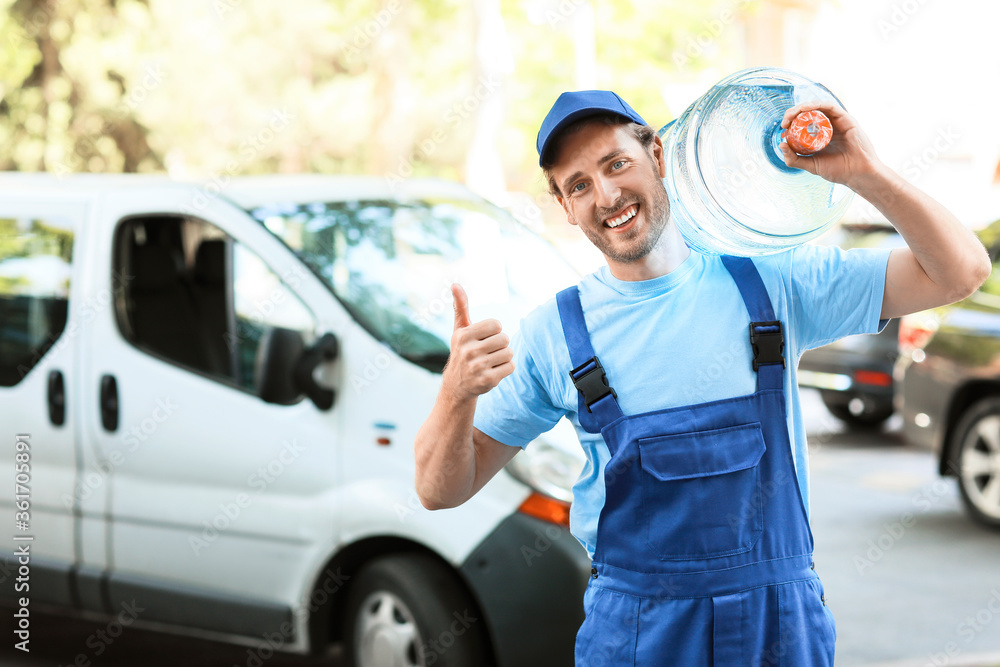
x,y
849,158
480,353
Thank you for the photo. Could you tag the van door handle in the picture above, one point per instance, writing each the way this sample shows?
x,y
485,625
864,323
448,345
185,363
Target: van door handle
x,y
109,403
57,398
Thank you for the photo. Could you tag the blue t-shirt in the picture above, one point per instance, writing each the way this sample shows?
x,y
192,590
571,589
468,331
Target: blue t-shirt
x,y
679,339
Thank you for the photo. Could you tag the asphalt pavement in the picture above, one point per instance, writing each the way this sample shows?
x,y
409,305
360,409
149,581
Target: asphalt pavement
x,y
912,582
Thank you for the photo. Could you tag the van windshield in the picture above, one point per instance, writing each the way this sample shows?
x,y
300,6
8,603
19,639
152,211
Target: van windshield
x,y
392,262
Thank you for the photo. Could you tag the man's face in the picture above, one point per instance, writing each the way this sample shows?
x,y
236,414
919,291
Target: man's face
x,y
611,188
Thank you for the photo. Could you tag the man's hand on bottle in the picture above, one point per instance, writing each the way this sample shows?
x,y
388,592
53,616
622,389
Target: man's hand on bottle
x,y
849,158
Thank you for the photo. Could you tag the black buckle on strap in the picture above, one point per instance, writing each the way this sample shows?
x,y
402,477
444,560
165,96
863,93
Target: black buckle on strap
x,y
593,384
768,346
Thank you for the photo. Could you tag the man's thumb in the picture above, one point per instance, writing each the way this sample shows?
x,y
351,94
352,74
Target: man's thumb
x,y
461,306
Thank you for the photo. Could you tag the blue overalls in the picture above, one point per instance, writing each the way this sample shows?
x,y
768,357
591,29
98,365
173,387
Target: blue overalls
x,y
704,552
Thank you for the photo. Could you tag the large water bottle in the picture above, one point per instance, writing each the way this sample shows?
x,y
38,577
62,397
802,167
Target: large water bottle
x,y
730,191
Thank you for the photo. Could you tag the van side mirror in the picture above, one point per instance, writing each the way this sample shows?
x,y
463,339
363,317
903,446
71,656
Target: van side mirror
x,y
325,349
277,354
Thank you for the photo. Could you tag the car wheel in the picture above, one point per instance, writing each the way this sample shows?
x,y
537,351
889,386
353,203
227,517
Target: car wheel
x,y
976,456
409,610
872,416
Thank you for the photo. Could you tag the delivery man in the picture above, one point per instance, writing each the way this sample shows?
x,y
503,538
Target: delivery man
x,y
678,371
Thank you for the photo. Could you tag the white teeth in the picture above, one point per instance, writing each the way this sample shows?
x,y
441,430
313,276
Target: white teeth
x,y
623,218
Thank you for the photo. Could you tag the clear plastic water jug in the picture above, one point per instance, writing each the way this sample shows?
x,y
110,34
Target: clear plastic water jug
x,y
730,190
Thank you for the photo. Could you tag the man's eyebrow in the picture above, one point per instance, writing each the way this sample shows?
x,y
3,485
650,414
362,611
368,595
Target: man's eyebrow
x,y
570,179
611,156
604,160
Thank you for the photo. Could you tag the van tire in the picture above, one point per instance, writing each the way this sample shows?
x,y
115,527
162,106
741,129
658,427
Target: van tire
x,y
410,610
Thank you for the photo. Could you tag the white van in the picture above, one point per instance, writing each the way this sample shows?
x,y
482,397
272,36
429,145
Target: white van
x,y
211,394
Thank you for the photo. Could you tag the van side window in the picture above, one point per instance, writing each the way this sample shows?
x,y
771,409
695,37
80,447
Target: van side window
x,y
35,266
197,298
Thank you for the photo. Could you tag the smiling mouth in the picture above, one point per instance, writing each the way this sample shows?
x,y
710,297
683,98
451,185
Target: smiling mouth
x,y
621,218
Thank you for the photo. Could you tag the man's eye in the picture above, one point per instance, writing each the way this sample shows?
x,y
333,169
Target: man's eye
x,y
578,187
618,165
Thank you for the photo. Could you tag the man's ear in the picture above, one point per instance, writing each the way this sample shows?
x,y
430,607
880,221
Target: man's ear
x,y
562,202
659,155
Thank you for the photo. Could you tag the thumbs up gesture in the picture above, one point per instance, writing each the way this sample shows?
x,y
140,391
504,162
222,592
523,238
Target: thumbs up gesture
x,y
480,353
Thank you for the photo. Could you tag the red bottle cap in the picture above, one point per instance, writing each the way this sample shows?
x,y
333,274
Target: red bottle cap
x,y
809,132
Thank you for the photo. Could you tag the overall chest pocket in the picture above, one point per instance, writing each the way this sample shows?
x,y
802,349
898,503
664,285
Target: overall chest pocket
x,y
701,492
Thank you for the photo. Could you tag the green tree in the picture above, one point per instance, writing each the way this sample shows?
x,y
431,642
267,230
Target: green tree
x,y
388,87
68,88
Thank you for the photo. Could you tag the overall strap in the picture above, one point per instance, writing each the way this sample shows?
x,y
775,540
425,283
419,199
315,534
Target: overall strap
x,y
598,406
766,333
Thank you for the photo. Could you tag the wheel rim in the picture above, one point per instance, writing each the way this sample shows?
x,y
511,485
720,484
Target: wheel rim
x,y
980,465
386,634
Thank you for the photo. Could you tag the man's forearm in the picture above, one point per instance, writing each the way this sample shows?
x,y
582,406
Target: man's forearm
x,y
943,261
445,448
445,453
947,252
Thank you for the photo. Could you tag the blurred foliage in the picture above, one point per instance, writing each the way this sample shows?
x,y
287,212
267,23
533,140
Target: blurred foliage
x,y
24,238
990,236
69,90
224,87
31,240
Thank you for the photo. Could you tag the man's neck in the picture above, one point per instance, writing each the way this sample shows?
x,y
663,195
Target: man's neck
x,y
669,253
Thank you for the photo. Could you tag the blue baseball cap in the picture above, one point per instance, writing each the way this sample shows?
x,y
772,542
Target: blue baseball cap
x,y
580,104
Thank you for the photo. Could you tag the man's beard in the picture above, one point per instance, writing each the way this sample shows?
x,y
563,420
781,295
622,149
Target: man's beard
x,y
656,213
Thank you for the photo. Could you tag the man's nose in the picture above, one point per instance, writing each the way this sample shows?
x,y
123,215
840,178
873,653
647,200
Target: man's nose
x,y
607,191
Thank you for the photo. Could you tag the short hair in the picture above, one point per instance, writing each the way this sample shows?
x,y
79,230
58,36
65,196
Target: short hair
x,y
644,134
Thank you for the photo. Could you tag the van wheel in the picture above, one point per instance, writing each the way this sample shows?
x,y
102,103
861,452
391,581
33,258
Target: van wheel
x,y
976,455
409,610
